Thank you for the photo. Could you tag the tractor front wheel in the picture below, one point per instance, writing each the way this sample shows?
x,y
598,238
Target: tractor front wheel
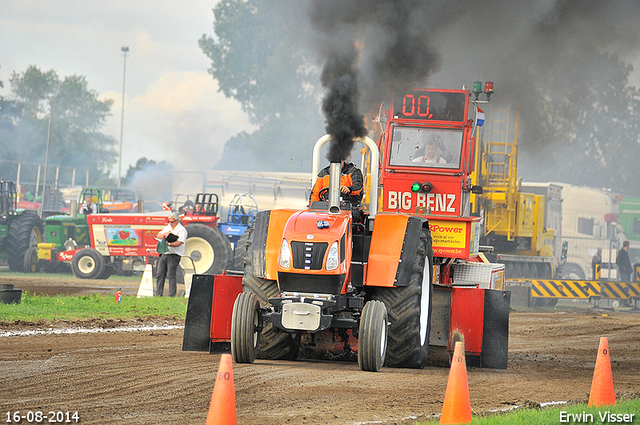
x,y
88,264
372,342
274,344
245,328
31,260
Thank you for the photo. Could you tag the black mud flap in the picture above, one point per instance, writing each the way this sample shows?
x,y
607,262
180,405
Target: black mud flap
x,y
260,231
495,334
197,324
415,226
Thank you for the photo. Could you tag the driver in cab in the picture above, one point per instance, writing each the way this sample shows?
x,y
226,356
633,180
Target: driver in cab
x,y
350,183
431,152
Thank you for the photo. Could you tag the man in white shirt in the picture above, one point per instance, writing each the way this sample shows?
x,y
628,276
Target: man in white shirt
x,y
176,236
89,207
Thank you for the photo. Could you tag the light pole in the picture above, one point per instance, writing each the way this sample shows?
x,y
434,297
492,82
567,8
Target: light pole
x,y
125,49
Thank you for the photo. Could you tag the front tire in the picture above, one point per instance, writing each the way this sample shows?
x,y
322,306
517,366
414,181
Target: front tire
x,y
88,264
31,260
245,328
274,344
372,342
409,310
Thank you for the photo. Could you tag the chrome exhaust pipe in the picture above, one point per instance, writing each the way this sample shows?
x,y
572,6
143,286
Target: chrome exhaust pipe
x,y
335,170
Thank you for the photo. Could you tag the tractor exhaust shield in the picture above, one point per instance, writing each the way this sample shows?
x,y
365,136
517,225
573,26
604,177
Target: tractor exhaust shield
x,y
334,187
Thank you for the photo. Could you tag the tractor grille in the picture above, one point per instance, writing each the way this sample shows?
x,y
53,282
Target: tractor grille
x,y
308,255
314,284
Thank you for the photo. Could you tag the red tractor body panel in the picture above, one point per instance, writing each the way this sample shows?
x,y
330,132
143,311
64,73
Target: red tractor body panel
x,y
225,291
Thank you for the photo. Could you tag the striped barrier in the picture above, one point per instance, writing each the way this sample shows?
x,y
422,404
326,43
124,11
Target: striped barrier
x,y
584,289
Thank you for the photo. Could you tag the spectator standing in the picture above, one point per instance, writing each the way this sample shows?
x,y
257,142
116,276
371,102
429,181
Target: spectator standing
x,y
176,235
624,264
596,261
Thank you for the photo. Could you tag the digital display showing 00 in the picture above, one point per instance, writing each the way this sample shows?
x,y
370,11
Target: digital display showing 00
x,y
431,105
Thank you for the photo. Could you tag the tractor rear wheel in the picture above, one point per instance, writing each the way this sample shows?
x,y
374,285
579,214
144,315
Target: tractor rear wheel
x,y
241,251
409,310
372,342
245,328
274,344
24,232
208,248
88,264
106,272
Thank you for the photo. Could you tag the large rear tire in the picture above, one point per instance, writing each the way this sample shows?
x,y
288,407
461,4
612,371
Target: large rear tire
x,y
372,340
245,325
208,248
274,344
24,232
106,272
240,251
88,264
409,310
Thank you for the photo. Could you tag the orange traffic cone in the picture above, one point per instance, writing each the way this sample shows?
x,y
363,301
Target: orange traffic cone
x,y
222,410
602,393
457,407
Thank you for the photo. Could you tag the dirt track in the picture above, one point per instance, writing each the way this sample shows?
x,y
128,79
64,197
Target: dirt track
x,y
143,377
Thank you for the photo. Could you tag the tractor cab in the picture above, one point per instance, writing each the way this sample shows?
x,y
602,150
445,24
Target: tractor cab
x,y
8,199
427,153
427,150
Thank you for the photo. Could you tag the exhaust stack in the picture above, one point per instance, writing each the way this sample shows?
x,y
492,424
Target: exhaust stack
x,y
334,187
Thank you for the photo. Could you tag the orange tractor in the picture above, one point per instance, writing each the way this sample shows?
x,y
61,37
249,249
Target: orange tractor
x,y
399,282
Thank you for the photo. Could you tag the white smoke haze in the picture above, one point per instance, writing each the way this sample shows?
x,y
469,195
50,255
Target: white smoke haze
x,y
184,115
153,183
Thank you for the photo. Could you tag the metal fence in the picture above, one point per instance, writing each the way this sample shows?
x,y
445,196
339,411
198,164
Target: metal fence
x,y
29,177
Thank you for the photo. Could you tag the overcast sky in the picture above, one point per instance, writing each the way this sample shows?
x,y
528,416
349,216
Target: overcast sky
x,y
171,103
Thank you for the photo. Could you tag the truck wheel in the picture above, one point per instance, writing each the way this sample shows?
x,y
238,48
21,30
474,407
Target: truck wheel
x,y
24,232
372,342
409,310
274,344
572,271
245,328
87,264
31,260
208,248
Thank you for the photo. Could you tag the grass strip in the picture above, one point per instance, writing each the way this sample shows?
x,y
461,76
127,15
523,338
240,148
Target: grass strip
x,y
36,308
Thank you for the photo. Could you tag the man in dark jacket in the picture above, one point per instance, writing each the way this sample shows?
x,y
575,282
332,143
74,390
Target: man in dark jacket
x,y
624,265
350,183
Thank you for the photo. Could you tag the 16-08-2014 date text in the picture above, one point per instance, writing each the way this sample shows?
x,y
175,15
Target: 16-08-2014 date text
x,y
37,417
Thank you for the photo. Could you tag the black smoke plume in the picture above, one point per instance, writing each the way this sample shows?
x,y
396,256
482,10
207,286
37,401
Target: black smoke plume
x,y
340,107
378,44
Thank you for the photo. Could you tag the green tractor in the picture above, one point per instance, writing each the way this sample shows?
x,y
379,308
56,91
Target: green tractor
x,y
66,233
20,231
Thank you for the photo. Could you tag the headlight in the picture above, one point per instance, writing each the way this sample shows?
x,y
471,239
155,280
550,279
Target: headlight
x,y
285,255
333,258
